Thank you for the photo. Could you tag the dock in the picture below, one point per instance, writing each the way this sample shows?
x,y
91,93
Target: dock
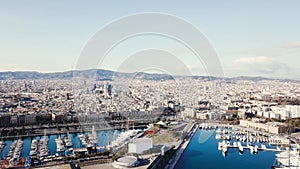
x,y
260,149
85,149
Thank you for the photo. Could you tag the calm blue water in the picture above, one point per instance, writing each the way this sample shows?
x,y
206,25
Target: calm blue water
x,y
104,138
201,154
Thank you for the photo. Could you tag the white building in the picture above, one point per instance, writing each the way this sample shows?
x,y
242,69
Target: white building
x,y
294,110
260,113
139,145
188,112
274,115
202,116
266,114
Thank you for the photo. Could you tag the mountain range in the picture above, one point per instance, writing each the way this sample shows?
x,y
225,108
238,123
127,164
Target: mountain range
x,y
101,74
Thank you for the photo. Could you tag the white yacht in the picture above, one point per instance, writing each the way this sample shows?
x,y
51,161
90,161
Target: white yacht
x,y
34,144
220,146
43,147
2,145
244,138
251,149
241,149
68,141
81,136
32,153
263,147
278,148
218,131
59,144
218,136
255,149
224,150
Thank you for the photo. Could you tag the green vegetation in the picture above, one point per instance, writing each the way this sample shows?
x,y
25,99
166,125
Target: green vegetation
x,y
165,136
294,122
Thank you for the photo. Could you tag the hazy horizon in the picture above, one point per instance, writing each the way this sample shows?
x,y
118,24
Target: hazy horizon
x,y
275,78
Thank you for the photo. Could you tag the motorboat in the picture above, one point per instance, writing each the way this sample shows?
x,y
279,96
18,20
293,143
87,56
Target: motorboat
x,y
255,149
218,136
240,147
251,149
68,141
263,147
32,153
224,150
34,144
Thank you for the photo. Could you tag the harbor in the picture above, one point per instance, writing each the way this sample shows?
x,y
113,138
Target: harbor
x,y
234,146
202,149
56,149
244,139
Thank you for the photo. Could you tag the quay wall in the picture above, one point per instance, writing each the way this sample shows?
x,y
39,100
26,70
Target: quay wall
x,y
182,146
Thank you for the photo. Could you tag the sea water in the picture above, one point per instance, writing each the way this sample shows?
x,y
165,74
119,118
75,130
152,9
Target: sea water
x,y
202,153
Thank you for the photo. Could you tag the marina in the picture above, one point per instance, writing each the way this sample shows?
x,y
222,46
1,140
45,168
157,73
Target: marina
x,y
224,146
41,149
243,139
203,147
235,147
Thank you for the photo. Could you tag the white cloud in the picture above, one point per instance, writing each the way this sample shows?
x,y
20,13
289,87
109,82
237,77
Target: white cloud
x,y
291,45
262,65
253,60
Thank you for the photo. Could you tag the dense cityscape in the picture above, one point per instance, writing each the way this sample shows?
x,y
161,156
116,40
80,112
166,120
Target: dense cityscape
x,y
150,114
149,84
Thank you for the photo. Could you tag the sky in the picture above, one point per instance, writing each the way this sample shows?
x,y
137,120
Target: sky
x,y
251,38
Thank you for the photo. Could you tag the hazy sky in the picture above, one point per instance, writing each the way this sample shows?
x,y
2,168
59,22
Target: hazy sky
x,y
253,38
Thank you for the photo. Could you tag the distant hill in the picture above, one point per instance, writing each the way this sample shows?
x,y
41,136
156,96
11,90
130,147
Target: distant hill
x,y
101,74
259,78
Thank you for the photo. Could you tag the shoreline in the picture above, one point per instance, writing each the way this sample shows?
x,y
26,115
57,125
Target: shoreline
x,y
182,146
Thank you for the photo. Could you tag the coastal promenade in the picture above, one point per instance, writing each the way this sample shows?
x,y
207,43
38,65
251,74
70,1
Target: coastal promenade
x,y
181,146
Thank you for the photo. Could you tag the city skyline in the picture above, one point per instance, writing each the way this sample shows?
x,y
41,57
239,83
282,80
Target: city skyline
x,y
251,38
